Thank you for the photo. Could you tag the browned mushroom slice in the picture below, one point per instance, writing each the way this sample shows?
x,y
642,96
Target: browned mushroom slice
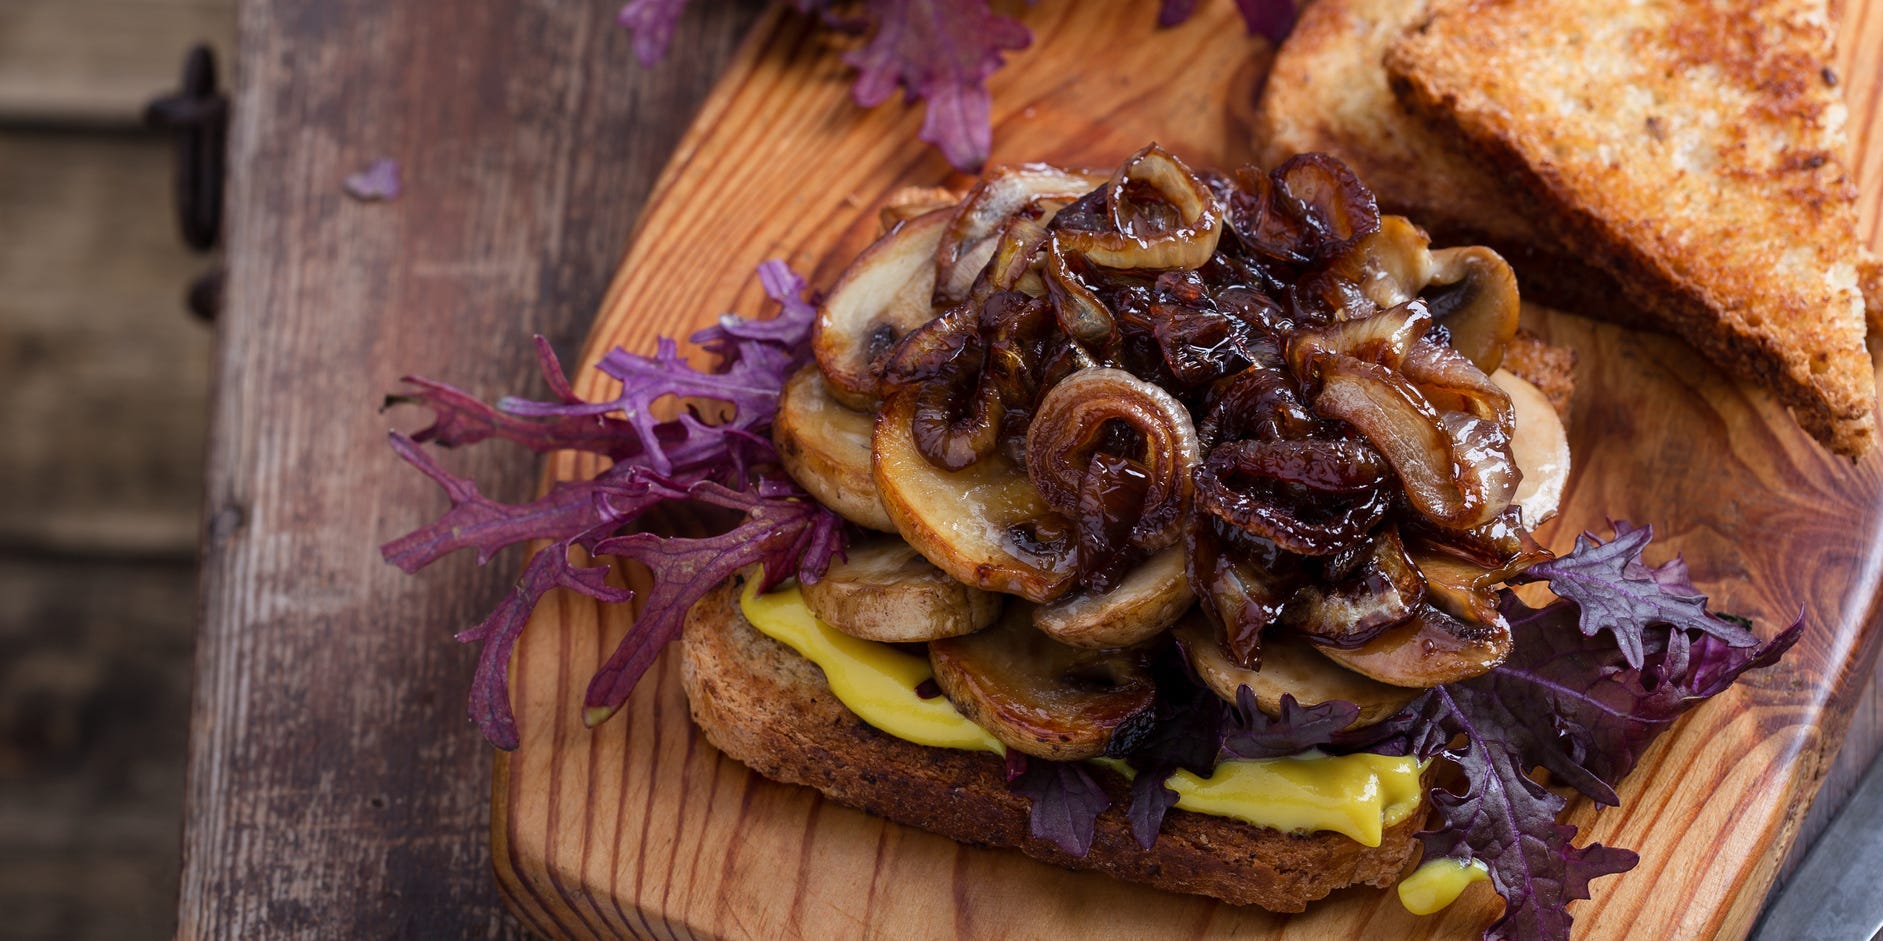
x,y
1460,587
974,228
1474,295
826,449
1392,265
1041,697
884,590
1539,446
1431,649
985,524
1149,599
882,297
1290,667
911,201
1377,587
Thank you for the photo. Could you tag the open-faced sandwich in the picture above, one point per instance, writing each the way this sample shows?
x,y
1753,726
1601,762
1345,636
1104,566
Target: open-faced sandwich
x,y
1153,521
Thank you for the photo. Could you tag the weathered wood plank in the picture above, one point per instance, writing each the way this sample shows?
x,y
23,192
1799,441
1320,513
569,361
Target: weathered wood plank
x,y
335,787
105,375
94,696
98,61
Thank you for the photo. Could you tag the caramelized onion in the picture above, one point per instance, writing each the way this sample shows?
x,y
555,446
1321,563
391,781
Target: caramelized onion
x,y
1383,339
1335,207
1170,219
956,421
1310,207
1392,265
1379,587
1430,453
969,240
1452,383
1242,584
1072,424
1242,484
1462,588
1259,402
1081,314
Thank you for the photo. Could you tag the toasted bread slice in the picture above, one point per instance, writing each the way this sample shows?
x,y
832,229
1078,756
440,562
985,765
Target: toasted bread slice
x,y
1695,150
1328,92
1552,369
761,703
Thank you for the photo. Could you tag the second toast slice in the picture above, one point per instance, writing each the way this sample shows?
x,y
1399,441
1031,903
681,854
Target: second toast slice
x,y
1696,149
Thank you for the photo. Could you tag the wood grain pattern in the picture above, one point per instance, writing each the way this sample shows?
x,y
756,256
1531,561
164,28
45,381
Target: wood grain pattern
x,y
94,685
639,829
96,62
93,313
335,789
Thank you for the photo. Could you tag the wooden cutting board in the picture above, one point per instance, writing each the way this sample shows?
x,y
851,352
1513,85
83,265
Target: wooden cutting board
x,y
640,829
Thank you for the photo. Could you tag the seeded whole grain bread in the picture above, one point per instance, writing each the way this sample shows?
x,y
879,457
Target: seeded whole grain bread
x,y
761,703
1695,149
1328,92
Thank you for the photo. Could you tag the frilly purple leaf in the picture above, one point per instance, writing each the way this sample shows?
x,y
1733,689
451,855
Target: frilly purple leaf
x,y
1508,821
784,531
1270,19
942,51
716,452
1065,802
1297,729
1614,590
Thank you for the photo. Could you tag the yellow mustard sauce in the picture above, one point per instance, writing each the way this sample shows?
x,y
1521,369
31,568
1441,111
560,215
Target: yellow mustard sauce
x,y
1437,883
875,681
1356,795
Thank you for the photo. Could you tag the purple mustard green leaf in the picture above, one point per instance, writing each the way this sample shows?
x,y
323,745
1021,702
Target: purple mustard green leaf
x,y
1614,590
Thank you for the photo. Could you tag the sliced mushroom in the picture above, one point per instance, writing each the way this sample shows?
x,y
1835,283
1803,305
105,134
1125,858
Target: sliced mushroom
x,y
884,590
883,296
825,447
1290,667
911,201
1392,265
1429,650
985,524
1043,698
1474,295
1149,599
973,228
1460,587
1539,446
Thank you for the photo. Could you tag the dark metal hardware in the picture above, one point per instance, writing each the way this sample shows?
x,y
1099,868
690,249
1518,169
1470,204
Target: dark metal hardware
x,y
199,116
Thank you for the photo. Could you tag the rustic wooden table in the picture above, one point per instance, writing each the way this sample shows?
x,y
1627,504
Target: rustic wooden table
x,y
335,788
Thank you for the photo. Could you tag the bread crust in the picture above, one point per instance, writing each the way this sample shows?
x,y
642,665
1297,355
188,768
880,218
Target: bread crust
x,y
1328,92
764,705
1699,160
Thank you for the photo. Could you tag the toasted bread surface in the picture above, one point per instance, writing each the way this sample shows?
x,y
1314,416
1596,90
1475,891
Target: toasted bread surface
x,y
1695,149
1328,92
764,705
1552,369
